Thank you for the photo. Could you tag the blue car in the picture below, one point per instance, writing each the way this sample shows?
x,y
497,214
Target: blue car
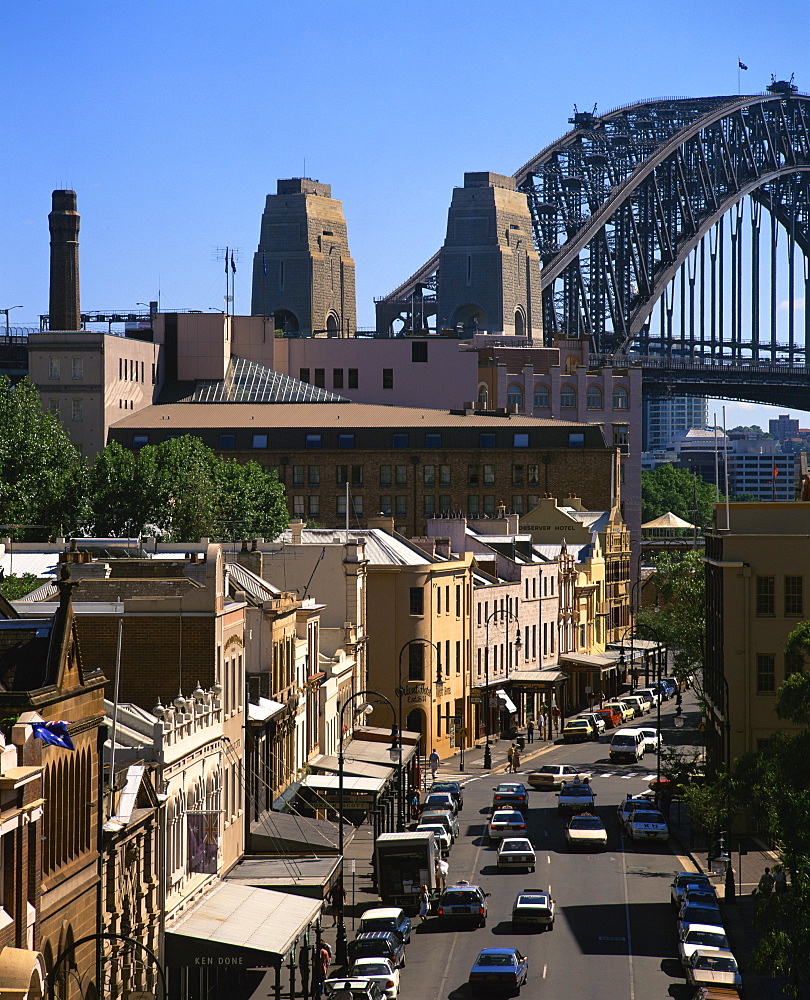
x,y
501,970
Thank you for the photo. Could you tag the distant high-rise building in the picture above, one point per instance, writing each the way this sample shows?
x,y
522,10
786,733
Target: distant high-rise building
x,y
783,427
667,416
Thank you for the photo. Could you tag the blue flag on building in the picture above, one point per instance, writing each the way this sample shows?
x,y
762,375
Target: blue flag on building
x,y
55,733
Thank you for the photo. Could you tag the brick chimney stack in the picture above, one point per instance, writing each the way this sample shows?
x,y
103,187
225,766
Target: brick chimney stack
x,y
63,222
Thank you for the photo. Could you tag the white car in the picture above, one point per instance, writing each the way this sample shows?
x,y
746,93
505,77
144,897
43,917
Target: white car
x,y
381,970
626,808
653,740
553,776
704,936
648,694
506,823
586,832
443,838
516,853
713,968
534,907
647,824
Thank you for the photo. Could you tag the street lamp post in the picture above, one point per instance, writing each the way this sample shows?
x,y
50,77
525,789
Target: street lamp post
x,y
400,691
341,954
493,614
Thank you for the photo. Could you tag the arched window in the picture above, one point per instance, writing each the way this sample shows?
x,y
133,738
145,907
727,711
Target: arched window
x,y
541,397
594,398
568,397
520,325
483,394
514,396
620,398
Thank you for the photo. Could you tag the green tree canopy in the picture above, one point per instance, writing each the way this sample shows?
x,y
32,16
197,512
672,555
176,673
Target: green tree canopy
x,y
43,479
669,489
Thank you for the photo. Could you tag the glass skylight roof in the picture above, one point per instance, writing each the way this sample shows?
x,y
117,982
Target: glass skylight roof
x,y
247,382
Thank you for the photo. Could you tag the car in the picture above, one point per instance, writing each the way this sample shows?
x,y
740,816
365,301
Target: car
x,y
381,971
715,993
575,797
669,685
506,823
626,744
708,915
498,970
356,987
665,690
387,918
534,908
516,852
626,807
598,724
710,967
612,717
701,895
627,712
453,787
443,838
586,832
653,740
553,776
510,795
684,879
578,731
439,800
650,695
447,820
378,944
647,824
463,902
695,936
639,704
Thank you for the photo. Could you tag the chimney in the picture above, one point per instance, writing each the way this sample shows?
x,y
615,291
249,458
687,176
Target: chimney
x,y
63,222
296,530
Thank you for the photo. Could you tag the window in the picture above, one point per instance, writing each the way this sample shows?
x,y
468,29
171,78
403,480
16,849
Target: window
x,y
514,396
520,440
766,674
429,505
357,505
416,658
401,508
433,440
473,475
298,506
417,603
349,474
429,473
352,378
620,432
568,397
419,351
337,378
314,506
444,503
793,597
458,605
154,373
385,475
388,378
438,601
345,440
298,475
489,475
765,595
474,506
139,440
620,398
314,475
594,398
53,368
533,475
489,505
458,656
444,475
517,504
259,441
77,368
53,405
227,441
541,401
517,475
320,378
303,374
340,506
78,409
385,505
399,440
486,440
532,501
576,440
401,475
313,440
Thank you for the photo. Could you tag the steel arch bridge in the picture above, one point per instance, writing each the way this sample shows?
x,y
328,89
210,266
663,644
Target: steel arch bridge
x,y
641,210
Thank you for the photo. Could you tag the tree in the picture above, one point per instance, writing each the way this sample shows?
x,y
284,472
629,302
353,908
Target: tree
x,y
669,489
43,479
251,501
14,587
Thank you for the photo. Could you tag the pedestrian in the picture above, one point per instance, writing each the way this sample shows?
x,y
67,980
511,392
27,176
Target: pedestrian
x,y
766,883
516,760
510,758
324,961
530,731
433,760
779,879
541,723
424,902
415,804
337,897
555,713
442,870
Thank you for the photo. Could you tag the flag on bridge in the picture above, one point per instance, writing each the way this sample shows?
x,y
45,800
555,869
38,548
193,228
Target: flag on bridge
x,y
741,64
55,733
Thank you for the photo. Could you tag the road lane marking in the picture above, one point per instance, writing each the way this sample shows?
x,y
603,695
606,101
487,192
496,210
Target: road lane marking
x,y
632,993
545,970
548,858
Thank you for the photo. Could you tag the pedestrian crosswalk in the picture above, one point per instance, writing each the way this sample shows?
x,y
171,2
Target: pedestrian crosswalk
x,y
627,775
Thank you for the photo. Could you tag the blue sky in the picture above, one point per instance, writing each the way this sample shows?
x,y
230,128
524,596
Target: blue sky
x,y
173,120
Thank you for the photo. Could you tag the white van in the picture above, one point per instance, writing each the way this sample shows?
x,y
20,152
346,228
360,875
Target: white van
x,y
627,744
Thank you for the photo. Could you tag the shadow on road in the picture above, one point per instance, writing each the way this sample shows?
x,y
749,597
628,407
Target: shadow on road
x,y
601,928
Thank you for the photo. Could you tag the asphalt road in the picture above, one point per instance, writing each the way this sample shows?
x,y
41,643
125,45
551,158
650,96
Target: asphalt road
x,y
614,936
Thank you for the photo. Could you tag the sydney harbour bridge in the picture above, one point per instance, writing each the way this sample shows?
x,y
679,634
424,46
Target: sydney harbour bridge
x,y
675,234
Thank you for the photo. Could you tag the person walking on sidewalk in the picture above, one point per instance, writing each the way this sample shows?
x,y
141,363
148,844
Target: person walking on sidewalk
x,y
424,902
766,883
510,755
780,880
515,760
530,731
415,804
541,722
433,760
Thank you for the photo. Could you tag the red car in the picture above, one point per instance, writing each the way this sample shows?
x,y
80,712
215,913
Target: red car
x,y
612,717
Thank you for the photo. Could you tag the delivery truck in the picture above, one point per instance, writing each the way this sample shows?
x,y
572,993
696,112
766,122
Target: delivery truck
x,y
403,863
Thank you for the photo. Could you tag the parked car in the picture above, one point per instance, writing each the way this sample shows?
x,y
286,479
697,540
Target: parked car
x,y
713,968
356,987
534,908
443,838
439,800
447,819
576,797
627,712
701,895
595,721
684,879
641,705
698,915
665,690
463,902
378,944
647,824
578,731
506,823
653,740
498,969
510,795
553,776
381,971
612,717
695,936
586,832
516,853
454,788
387,918
650,696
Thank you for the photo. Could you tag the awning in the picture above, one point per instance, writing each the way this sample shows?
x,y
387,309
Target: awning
x,y
531,678
375,752
325,764
288,833
590,661
240,926
351,783
265,710
508,704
